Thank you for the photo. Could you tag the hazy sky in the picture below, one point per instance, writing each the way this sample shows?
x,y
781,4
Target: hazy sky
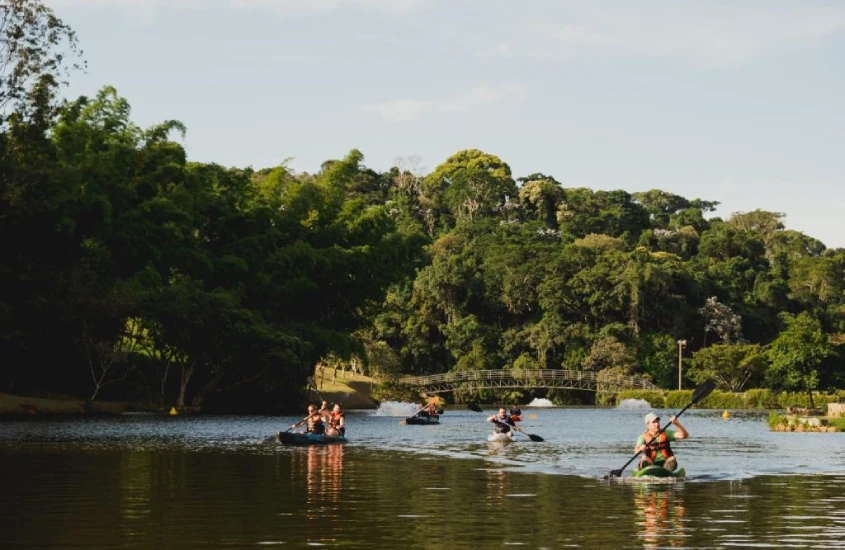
x,y
741,102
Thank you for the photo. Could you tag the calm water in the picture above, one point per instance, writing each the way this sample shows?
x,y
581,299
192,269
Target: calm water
x,y
183,482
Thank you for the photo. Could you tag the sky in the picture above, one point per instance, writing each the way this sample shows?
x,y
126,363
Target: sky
x,y
737,102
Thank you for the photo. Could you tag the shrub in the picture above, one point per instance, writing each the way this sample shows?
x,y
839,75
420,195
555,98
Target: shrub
x,y
391,391
776,419
760,399
838,423
677,399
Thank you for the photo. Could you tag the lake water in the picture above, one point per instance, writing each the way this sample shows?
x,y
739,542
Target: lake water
x,y
143,481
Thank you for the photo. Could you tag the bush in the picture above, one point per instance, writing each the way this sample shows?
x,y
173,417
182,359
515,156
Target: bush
x,y
678,399
760,399
723,400
838,423
776,419
391,391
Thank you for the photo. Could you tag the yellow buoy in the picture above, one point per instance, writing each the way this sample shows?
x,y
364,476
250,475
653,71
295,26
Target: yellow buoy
x,y
173,411
726,415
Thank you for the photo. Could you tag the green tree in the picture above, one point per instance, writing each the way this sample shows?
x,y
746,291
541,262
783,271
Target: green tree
x,y
37,52
734,366
796,355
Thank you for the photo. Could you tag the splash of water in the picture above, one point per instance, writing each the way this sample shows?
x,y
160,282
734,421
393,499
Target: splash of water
x,y
540,402
632,404
396,408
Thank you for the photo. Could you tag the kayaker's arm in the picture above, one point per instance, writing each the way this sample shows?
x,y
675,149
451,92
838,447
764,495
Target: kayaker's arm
x,y
640,446
682,432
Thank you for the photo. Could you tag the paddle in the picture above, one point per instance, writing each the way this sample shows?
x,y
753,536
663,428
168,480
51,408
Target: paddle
x,y
532,437
298,424
314,387
702,391
475,407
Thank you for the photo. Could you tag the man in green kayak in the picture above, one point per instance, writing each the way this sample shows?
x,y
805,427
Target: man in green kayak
x,y
655,448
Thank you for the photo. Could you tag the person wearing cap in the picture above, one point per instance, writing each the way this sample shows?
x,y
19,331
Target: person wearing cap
x,y
655,448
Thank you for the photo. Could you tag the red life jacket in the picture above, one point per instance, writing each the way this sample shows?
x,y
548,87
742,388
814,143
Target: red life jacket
x,y
662,446
334,419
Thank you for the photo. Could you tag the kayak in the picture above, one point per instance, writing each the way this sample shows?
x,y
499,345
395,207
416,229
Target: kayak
x,y
658,471
500,437
423,420
290,438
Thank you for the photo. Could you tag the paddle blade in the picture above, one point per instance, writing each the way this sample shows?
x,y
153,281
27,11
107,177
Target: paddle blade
x,y
533,437
703,390
475,407
615,473
402,422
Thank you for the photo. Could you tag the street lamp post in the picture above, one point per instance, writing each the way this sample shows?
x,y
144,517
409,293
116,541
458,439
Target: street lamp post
x,y
681,345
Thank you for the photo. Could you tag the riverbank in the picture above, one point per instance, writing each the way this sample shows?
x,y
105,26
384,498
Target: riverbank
x,y
352,392
18,405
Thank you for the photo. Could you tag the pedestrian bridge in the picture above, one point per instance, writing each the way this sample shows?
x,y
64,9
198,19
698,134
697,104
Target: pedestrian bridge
x,y
471,381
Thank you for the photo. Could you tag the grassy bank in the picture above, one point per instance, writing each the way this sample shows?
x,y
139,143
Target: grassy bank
x,y
17,405
352,392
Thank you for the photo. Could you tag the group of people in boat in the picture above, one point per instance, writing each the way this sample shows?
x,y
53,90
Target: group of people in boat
x,y
428,410
324,421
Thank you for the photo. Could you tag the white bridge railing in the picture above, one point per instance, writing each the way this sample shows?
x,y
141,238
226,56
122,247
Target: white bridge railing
x,y
525,378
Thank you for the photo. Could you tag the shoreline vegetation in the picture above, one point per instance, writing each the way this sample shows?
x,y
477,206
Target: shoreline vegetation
x,y
352,392
356,391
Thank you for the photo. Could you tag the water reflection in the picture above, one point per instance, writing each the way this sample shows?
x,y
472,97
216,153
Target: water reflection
x,y
660,515
495,485
322,469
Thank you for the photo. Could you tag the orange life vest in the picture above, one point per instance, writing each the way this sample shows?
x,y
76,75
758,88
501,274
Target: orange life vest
x,y
334,419
662,446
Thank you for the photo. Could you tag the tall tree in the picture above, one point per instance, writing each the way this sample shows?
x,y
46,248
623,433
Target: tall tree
x,y
796,355
37,52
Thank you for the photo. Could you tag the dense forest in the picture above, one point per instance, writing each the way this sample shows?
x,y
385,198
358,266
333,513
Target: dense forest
x,y
131,272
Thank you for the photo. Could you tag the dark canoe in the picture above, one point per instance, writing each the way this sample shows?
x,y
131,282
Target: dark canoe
x,y
423,420
658,471
290,438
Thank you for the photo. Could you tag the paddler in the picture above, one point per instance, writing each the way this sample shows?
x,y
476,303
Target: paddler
x,y
336,420
314,421
515,413
502,421
655,448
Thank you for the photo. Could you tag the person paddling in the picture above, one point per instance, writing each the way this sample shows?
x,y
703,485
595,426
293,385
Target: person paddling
x,y
429,409
314,421
336,420
502,420
659,452
515,413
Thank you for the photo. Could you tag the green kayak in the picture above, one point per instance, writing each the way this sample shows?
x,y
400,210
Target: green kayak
x,y
658,471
